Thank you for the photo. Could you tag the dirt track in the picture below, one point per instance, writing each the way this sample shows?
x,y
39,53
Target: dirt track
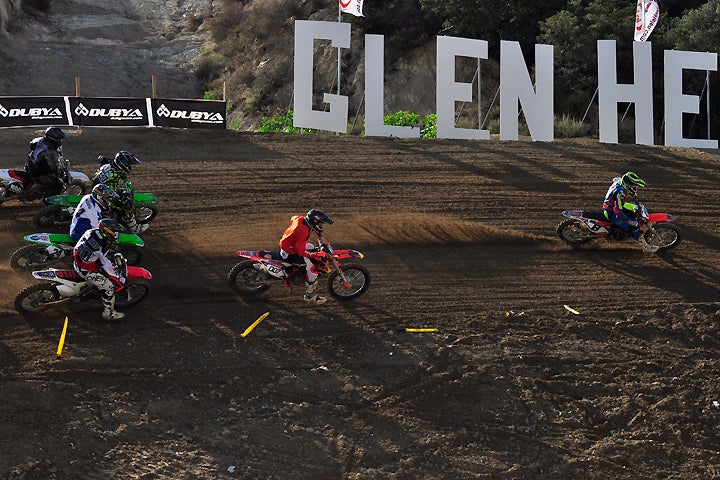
x,y
456,234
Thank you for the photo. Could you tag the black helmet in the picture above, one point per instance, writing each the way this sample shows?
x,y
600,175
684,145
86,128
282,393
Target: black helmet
x,y
104,196
632,181
54,136
109,228
124,161
316,218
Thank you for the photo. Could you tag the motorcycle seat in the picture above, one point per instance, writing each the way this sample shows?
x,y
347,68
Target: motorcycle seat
x,y
271,254
69,275
595,215
20,175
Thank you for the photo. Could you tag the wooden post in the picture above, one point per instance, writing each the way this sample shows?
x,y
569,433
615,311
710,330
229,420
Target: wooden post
x,y
154,87
224,92
77,94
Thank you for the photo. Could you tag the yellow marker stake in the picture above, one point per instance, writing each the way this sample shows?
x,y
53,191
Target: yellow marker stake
x,y
420,330
571,310
255,324
62,338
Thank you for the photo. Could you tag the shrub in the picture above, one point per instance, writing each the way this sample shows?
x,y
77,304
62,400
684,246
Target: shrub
x,y
568,127
429,128
280,123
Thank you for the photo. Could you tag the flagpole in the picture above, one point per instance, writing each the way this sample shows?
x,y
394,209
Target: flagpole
x,y
339,59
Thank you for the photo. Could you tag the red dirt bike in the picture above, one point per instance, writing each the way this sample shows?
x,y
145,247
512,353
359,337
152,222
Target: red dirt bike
x,y
581,226
263,268
61,286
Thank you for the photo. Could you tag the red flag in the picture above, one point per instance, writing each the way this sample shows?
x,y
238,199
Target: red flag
x,y
646,17
353,7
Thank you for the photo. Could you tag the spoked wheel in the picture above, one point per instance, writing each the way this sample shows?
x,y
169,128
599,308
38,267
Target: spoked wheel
x,y
664,235
76,189
135,291
245,279
145,213
132,254
31,257
571,231
51,216
36,297
358,280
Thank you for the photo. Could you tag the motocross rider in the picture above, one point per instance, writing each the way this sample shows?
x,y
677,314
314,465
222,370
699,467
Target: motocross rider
x,y
42,163
619,207
293,248
113,173
93,207
92,262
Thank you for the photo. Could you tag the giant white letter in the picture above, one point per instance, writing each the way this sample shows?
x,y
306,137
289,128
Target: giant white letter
x,y
374,93
448,91
334,120
610,93
516,87
676,103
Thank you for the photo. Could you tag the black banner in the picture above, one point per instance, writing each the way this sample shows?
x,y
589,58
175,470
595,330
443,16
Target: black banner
x,y
109,112
28,111
188,113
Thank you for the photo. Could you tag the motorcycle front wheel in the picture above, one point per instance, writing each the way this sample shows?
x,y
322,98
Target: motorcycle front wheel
x,y
571,231
358,281
145,213
51,216
36,297
244,279
136,290
664,235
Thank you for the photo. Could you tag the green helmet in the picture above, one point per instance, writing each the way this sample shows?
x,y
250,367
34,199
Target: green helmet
x,y
631,181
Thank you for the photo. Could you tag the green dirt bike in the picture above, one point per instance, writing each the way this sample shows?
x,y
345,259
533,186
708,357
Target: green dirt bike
x,y
51,248
59,209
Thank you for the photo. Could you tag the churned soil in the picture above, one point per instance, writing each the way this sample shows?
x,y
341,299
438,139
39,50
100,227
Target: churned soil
x,y
459,236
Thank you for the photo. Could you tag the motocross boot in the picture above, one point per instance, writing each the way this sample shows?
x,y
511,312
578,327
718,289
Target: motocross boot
x,y
109,313
646,247
311,296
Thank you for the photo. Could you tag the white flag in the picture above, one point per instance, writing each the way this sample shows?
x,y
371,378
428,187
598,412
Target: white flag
x,y
646,17
353,7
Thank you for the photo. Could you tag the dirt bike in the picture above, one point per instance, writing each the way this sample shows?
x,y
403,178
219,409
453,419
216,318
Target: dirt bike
x,y
50,248
263,268
59,209
17,184
61,286
581,226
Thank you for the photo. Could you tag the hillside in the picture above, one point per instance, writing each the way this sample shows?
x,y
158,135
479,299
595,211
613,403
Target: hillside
x,y
114,47
458,236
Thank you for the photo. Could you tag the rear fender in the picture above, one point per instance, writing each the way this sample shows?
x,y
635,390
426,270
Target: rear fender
x,y
253,255
138,272
63,200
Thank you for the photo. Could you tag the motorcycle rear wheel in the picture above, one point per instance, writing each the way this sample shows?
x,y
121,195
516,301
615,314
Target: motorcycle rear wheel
x,y
51,216
664,235
32,256
136,290
571,232
243,279
36,297
358,282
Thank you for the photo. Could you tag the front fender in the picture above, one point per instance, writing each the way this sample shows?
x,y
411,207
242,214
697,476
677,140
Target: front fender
x,y
661,217
138,272
144,198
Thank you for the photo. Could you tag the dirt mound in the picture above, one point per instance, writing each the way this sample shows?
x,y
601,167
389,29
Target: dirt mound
x,y
458,236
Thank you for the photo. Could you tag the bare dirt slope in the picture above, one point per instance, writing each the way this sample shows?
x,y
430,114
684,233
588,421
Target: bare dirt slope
x,y
456,234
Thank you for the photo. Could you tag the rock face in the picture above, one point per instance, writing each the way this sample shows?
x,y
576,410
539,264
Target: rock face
x,y
7,7
114,47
